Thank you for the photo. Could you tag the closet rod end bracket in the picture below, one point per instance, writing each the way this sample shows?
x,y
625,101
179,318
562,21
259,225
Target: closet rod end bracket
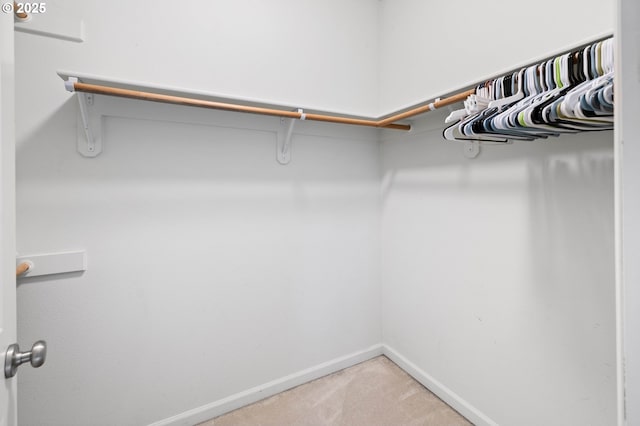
x,y
69,84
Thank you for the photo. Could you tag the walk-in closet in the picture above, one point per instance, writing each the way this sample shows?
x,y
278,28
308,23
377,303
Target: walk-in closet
x,y
213,202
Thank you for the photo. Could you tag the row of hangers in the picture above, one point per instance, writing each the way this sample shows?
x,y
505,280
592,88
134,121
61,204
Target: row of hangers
x,y
567,94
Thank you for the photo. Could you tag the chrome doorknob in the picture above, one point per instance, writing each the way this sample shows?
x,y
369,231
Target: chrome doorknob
x,y
14,358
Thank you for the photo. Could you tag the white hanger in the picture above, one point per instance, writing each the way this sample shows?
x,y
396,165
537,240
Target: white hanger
x,y
456,115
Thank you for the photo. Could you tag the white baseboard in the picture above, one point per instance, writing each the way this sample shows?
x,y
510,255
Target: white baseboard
x,y
444,393
266,390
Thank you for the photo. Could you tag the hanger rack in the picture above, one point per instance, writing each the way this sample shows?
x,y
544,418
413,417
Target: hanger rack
x,y
87,85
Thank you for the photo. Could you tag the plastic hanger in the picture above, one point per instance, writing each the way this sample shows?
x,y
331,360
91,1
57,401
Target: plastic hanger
x,y
513,98
472,105
566,94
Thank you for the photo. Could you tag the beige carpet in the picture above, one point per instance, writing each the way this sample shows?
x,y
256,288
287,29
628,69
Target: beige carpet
x,y
374,393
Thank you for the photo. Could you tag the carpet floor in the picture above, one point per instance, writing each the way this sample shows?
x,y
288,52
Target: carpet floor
x,y
374,393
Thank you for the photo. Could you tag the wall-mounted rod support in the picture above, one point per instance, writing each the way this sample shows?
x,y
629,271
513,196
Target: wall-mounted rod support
x,y
287,138
90,146
84,100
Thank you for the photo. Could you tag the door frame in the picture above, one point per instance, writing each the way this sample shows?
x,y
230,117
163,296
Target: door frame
x,y
8,334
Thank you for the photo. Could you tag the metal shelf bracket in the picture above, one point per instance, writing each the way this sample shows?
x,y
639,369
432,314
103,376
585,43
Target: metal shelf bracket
x,y
89,133
283,147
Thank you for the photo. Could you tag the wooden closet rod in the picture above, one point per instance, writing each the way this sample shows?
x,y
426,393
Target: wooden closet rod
x,y
387,123
179,100
22,268
438,103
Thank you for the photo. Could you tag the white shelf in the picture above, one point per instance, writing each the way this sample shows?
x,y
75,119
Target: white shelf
x,y
54,263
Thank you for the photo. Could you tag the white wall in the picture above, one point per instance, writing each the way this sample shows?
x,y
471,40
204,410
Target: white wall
x,y
297,53
212,268
431,48
498,272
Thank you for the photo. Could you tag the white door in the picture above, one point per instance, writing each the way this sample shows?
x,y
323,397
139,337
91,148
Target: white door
x,y
8,394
